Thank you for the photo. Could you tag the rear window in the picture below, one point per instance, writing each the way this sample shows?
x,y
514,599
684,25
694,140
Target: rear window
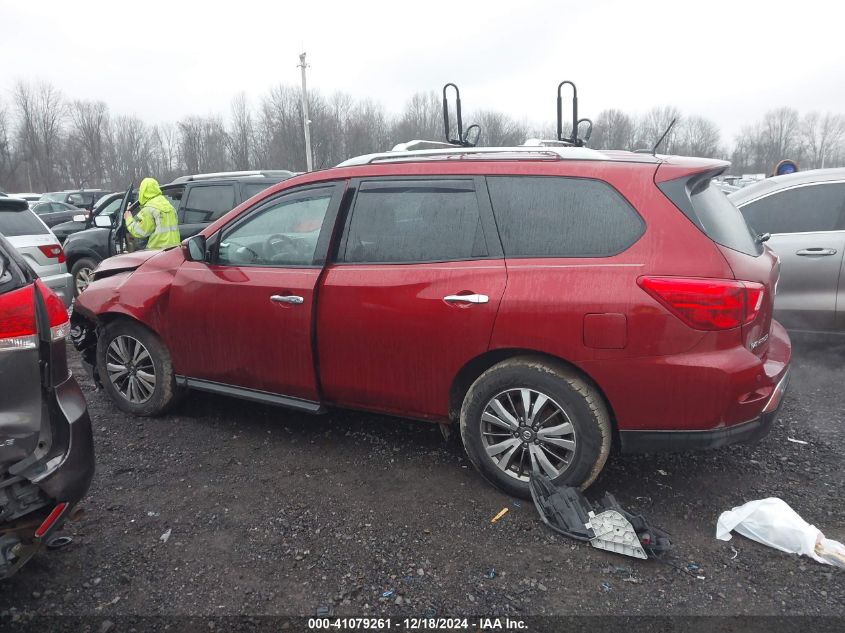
x,y
254,187
711,210
542,216
207,203
14,223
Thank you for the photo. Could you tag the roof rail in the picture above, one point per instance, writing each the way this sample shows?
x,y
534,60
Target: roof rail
x,y
521,152
256,173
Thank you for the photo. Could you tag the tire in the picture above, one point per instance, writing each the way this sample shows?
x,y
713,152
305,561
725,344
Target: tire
x,y
570,430
81,269
133,391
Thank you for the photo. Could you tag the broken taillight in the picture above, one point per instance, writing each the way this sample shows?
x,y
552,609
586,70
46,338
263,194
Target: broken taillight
x,y
56,313
707,304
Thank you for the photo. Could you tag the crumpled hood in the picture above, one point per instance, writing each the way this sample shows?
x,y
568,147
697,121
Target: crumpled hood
x,y
148,190
127,261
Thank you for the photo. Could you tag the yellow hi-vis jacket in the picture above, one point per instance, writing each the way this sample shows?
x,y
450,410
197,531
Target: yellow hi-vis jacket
x,y
157,218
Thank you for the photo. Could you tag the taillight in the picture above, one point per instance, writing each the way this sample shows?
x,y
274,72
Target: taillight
x,y
17,319
707,304
56,313
53,251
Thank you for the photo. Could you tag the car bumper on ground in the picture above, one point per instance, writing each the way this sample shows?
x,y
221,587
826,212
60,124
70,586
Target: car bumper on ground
x,y
62,285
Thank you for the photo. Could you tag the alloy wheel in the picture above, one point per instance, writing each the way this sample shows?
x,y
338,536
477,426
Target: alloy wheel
x,y
525,431
131,369
84,276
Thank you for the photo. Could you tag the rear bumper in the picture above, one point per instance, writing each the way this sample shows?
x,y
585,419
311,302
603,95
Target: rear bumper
x,y
62,285
63,477
679,441
69,479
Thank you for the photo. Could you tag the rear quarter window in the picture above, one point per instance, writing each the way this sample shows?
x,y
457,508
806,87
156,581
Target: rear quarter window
x,y
707,206
545,216
14,223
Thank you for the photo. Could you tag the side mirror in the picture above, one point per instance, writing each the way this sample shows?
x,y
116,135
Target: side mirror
x,y
103,221
79,218
194,248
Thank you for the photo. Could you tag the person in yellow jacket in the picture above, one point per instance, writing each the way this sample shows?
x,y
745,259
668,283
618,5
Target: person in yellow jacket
x,y
156,220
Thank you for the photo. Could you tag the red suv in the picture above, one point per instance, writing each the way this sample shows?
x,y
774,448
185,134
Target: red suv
x,y
553,300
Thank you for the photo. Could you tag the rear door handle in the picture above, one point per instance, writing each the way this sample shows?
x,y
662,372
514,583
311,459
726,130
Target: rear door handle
x,y
466,298
816,252
287,299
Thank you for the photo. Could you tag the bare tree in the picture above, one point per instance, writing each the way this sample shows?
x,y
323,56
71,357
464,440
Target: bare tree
x,y
652,126
697,136
7,156
241,135
613,129
40,113
498,129
89,129
422,118
131,157
822,137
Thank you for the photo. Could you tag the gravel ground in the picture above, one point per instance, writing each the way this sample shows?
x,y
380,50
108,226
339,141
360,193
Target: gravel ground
x,y
274,512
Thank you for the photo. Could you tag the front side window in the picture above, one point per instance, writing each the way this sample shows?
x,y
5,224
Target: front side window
x,y
283,233
415,221
804,209
540,216
207,203
111,208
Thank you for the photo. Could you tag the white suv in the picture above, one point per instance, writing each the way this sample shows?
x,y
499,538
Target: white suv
x,y
39,247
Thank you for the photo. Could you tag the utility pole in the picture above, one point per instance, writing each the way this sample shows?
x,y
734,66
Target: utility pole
x,y
306,120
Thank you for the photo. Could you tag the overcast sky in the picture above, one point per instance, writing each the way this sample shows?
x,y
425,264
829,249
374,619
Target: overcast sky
x,y
162,60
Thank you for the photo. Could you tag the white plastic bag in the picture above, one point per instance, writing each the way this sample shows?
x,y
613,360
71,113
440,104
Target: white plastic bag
x,y
772,522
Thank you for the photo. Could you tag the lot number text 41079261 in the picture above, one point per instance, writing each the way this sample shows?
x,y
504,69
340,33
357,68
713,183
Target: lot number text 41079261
x,y
416,624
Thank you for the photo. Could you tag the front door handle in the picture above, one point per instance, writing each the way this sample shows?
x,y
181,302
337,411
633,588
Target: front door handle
x,y
466,298
287,299
817,252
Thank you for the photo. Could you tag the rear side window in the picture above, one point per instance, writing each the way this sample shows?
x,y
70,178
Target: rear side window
x,y
801,210
206,204
707,206
14,223
541,216
415,221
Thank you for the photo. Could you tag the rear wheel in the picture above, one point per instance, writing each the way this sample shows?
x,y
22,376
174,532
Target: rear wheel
x,y
529,415
82,272
135,369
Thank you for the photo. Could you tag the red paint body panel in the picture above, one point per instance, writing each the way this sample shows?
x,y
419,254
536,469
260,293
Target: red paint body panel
x,y
386,340
389,342
229,331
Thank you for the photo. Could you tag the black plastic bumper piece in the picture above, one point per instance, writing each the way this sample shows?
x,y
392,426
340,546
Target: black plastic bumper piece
x,y
71,479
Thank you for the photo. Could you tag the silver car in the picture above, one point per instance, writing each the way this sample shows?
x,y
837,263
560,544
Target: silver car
x,y
39,247
805,214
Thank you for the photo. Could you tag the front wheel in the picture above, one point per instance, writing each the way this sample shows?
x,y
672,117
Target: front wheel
x,y
82,273
529,415
135,369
